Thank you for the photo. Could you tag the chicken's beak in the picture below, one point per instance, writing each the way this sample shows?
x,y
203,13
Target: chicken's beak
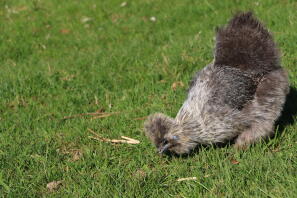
x,y
164,148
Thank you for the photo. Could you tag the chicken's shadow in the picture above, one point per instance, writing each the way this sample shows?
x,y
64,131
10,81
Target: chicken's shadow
x,y
289,112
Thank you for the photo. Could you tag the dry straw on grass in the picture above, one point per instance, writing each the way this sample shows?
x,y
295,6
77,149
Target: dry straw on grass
x,y
125,140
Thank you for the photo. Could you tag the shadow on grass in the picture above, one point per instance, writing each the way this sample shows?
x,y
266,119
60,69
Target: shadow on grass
x,y
286,118
289,111
196,150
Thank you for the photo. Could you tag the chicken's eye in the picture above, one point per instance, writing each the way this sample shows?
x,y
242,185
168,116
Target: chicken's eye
x,y
165,142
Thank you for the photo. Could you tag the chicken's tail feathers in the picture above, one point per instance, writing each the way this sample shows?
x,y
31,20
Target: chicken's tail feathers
x,y
245,43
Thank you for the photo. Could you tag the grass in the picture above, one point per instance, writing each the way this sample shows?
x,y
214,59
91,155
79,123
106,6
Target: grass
x,y
61,58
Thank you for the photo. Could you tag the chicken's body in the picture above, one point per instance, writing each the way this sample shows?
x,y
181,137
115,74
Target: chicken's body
x,y
240,95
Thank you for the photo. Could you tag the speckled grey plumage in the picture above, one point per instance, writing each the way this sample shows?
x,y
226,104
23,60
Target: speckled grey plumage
x,y
240,95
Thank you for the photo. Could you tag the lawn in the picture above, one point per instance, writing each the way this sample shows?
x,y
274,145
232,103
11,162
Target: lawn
x,y
130,59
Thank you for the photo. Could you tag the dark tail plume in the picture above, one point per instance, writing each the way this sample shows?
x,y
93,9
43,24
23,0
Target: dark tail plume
x,y
246,44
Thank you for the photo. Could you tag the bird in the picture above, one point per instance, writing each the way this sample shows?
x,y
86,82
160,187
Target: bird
x,y
237,97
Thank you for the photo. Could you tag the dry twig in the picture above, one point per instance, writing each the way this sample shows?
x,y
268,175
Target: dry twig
x,y
94,115
131,140
124,139
104,115
186,179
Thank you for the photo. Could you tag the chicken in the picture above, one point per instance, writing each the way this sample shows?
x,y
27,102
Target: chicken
x,y
238,96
